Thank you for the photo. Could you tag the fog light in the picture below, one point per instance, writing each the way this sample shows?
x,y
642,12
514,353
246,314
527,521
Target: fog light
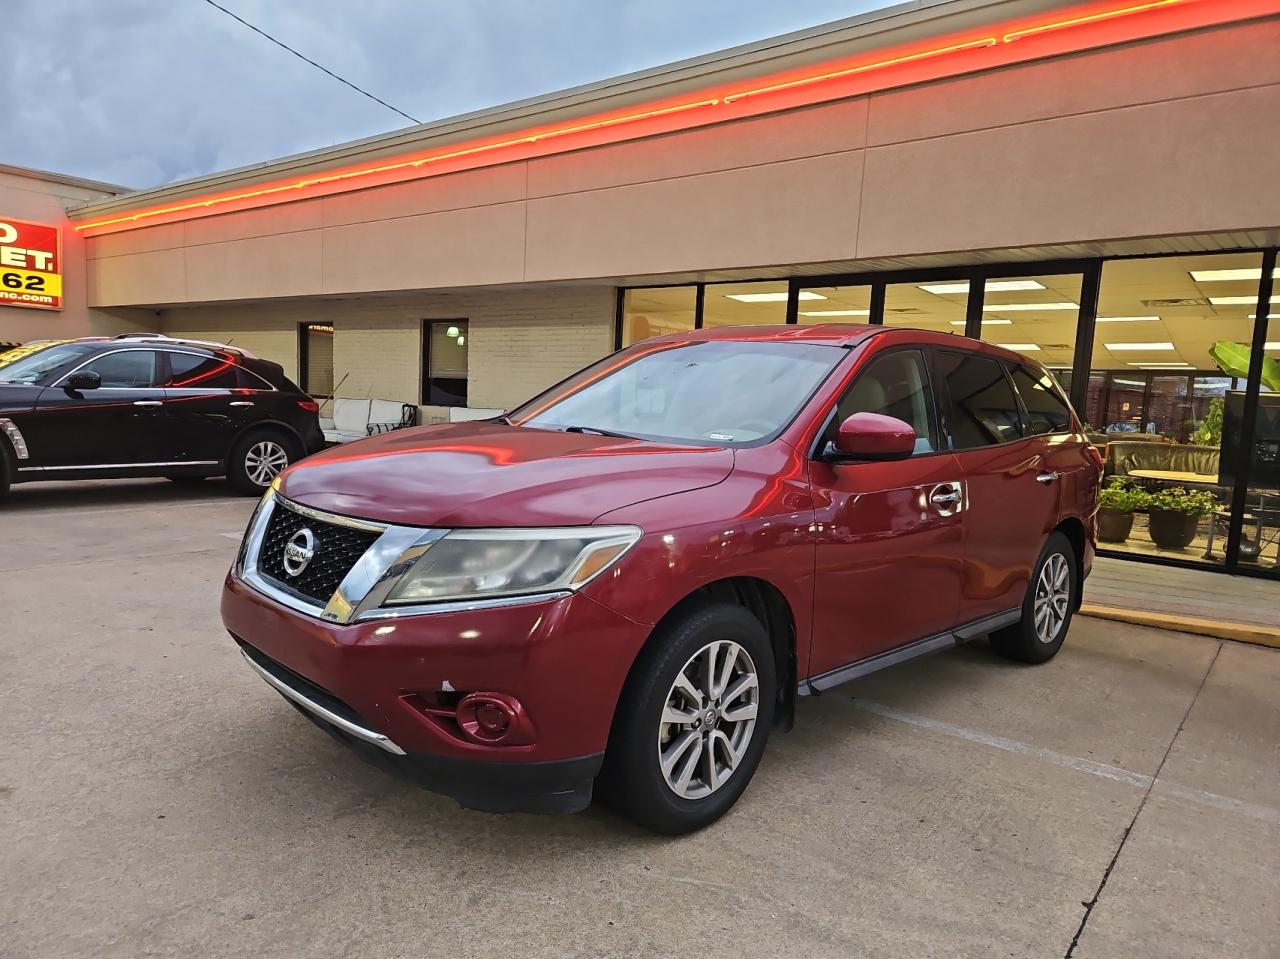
x,y
495,719
492,719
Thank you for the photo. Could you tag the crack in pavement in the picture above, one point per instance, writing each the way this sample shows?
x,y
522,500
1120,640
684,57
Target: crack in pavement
x,y
1106,875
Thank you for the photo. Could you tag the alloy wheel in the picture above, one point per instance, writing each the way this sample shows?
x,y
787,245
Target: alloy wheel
x,y
1053,598
708,719
265,461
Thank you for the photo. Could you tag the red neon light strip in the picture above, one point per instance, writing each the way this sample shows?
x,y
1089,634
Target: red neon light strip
x,y
401,165
912,58
1092,18
726,100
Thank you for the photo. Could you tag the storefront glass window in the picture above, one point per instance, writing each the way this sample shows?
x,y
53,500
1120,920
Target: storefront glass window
x,y
1035,315
838,304
657,311
749,304
1170,352
936,305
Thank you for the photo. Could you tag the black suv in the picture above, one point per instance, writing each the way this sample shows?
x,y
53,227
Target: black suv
x,y
150,405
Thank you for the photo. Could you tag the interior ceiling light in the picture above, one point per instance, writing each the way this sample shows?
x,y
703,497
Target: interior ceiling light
x,y
1163,366
1128,319
1130,382
1271,346
1221,276
772,297
992,322
1238,300
1021,347
1028,307
835,312
699,111
1152,347
1270,316
993,286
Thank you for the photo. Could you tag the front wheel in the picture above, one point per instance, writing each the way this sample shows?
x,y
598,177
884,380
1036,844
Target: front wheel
x,y
258,458
1047,609
693,721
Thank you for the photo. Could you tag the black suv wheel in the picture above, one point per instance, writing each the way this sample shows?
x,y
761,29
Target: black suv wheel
x,y
259,457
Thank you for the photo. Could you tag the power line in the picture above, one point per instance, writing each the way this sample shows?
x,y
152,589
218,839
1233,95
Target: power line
x,y
310,61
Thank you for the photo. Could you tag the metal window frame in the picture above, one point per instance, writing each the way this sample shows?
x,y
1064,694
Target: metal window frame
x,y
424,368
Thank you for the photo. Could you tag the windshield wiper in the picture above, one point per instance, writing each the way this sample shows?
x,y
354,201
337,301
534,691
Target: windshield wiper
x,y
597,431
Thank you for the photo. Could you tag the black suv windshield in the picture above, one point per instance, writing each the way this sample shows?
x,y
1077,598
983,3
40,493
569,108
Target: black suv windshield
x,y
721,392
34,367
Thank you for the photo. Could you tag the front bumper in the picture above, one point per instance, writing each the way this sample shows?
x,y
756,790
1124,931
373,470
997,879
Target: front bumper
x,y
564,658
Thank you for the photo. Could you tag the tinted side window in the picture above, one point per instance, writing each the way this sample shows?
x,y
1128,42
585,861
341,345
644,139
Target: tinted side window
x,y
193,372
983,410
895,384
134,369
1047,411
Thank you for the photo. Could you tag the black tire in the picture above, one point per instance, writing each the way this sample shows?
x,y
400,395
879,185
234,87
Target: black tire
x,y
632,779
240,466
1023,641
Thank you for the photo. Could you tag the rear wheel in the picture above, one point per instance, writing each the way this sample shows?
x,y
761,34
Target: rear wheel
x,y
693,720
258,458
1047,609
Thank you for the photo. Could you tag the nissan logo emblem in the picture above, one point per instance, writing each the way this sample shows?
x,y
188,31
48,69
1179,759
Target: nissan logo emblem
x,y
299,551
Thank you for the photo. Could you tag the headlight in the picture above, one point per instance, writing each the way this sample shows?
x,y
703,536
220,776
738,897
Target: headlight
x,y
484,563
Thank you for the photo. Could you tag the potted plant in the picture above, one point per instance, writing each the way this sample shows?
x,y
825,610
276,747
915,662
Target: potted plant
x,y
1208,431
1175,513
1117,502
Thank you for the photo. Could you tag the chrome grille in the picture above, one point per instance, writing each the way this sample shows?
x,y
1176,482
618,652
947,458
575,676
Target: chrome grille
x,y
337,549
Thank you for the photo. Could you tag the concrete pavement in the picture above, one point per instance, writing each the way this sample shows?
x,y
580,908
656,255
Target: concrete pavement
x,y
158,799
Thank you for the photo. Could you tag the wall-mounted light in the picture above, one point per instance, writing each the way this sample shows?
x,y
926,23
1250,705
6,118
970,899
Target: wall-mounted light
x,y
462,341
452,331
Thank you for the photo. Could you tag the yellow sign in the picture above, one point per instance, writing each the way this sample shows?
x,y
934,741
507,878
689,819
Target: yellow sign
x,y
30,265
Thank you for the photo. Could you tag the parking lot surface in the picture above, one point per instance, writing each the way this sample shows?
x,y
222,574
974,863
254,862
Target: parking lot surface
x,y
156,798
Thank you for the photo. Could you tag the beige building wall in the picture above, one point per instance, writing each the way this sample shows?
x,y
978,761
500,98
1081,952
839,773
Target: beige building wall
x,y
45,198
519,342
1179,135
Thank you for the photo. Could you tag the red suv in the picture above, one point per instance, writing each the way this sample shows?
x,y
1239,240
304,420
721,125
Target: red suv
x,y
626,583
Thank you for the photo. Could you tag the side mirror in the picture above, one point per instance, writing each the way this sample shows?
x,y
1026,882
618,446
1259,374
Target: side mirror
x,y
873,436
84,380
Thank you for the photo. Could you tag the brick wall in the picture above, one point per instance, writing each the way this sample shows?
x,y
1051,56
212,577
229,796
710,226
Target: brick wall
x,y
519,342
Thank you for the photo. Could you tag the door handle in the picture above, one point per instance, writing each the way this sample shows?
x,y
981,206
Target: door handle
x,y
148,402
944,497
1047,478
242,403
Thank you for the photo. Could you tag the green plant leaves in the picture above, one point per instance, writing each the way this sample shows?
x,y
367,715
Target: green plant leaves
x,y
1233,359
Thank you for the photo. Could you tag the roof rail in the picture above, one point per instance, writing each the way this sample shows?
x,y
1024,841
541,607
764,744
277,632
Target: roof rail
x,y
162,338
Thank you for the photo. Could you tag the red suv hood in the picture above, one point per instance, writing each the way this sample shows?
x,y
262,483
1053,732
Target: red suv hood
x,y
486,474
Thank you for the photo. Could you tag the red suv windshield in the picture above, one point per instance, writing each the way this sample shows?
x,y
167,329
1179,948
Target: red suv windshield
x,y
723,392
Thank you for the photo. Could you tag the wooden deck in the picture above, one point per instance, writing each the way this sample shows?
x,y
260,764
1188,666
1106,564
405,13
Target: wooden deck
x,y
1175,592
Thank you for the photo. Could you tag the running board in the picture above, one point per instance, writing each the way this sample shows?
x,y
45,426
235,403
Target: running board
x,y
921,647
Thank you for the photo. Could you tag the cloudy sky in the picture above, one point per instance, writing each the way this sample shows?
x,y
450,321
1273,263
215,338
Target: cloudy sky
x,y
143,92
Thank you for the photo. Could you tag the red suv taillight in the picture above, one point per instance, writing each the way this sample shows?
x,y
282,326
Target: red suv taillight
x,y
311,406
